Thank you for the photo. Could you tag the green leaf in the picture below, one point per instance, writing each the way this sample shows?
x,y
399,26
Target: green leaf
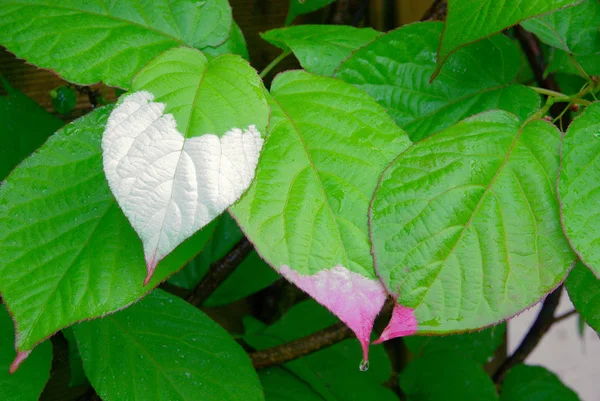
x,y
64,99
251,276
573,30
321,49
280,384
27,383
77,374
88,42
25,126
309,219
465,225
535,383
584,290
579,186
68,252
301,7
446,377
561,61
332,372
395,70
235,44
478,346
162,348
468,22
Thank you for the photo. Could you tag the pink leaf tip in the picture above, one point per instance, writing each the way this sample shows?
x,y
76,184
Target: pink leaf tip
x,y
355,299
150,266
403,323
21,356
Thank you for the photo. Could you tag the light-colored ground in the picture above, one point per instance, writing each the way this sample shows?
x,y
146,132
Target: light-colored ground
x,y
575,360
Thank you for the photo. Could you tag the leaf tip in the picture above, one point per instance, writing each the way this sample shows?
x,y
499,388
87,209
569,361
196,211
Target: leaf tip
x,y
150,266
403,323
19,359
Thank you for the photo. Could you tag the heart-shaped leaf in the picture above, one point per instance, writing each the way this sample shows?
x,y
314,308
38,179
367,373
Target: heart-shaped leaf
x,y
579,186
584,291
87,42
162,348
395,70
465,224
573,30
320,48
535,383
27,383
309,219
68,252
184,145
469,21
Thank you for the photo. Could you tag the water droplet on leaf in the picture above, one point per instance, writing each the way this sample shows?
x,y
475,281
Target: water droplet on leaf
x,y
364,366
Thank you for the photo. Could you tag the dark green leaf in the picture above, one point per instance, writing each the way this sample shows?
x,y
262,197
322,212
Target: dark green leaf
x,y
162,348
478,346
68,252
300,7
320,48
573,30
465,224
534,383
77,375
396,67
87,42
469,21
252,275
279,384
64,99
584,290
579,186
446,377
25,126
27,383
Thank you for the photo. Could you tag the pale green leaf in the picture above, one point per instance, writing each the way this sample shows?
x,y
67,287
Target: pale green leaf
x,y
163,348
68,252
396,67
235,44
579,186
534,383
87,42
465,225
478,346
27,383
25,126
446,377
470,21
301,7
320,48
306,211
584,290
573,30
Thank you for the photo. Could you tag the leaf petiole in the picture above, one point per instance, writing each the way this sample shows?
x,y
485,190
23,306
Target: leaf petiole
x,y
274,63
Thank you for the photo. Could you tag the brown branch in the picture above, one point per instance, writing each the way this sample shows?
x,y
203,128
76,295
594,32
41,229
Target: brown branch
x,y
219,271
303,346
437,11
538,329
565,316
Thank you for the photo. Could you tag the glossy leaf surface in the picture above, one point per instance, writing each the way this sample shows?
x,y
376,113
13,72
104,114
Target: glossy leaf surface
x,y
584,291
579,186
184,145
465,225
280,384
320,48
163,348
430,378
309,219
469,21
68,252
251,276
93,48
396,67
26,125
573,30
332,372
301,7
27,383
535,383
478,346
